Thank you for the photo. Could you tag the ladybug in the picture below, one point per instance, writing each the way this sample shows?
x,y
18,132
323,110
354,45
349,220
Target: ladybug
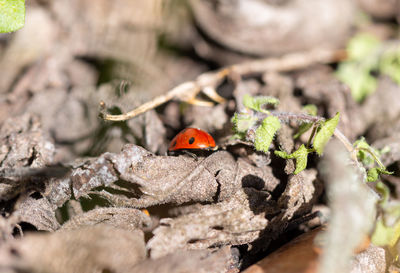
x,y
192,139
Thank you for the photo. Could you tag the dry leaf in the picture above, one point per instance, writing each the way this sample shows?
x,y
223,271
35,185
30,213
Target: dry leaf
x,y
92,249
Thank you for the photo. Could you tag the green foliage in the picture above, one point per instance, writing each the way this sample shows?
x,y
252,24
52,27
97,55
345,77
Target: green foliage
x,y
362,60
368,156
362,151
242,123
366,54
324,133
387,229
311,109
390,64
265,133
258,102
384,191
359,79
12,15
373,173
300,155
385,235
362,46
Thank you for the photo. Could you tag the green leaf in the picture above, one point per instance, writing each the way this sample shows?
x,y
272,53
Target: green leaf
x,y
265,133
362,46
12,15
358,77
373,173
257,103
324,134
301,158
363,58
384,191
242,123
300,155
311,109
385,235
283,154
362,146
390,64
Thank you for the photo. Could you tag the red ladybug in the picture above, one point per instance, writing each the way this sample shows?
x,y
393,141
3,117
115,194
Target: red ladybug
x,y
192,139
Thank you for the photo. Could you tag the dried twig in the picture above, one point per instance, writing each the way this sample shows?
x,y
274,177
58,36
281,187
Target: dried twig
x,y
208,82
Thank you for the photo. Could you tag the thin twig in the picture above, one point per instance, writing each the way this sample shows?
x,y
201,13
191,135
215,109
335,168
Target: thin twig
x,y
347,144
208,82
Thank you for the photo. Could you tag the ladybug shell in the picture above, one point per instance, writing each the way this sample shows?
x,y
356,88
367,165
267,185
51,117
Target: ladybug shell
x,y
190,139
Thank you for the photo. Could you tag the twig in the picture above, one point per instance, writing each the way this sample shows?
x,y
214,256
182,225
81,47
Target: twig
x,y
347,144
208,82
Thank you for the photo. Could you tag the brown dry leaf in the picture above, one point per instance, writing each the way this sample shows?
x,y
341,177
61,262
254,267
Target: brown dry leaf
x,y
239,220
231,222
23,146
300,194
30,209
161,179
93,249
199,261
24,143
126,218
37,212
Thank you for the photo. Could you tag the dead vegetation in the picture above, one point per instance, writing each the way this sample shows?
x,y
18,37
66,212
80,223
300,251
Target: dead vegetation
x,y
81,194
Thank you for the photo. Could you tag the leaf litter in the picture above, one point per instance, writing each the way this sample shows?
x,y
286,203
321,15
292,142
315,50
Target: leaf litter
x,y
81,195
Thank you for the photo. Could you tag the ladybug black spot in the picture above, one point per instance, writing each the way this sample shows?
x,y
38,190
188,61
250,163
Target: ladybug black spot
x,y
191,140
173,144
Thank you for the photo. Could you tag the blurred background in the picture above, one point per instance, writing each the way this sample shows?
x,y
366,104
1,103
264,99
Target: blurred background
x,y
72,54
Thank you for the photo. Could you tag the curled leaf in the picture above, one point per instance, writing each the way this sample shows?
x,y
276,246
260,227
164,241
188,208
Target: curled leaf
x,y
373,173
242,122
362,146
256,103
265,133
385,235
324,134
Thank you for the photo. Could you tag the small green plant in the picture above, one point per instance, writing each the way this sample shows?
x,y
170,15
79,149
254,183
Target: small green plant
x,y
259,125
368,56
12,15
387,227
368,156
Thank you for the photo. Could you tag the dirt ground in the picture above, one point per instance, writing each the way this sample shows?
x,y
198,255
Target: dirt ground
x,y
83,191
